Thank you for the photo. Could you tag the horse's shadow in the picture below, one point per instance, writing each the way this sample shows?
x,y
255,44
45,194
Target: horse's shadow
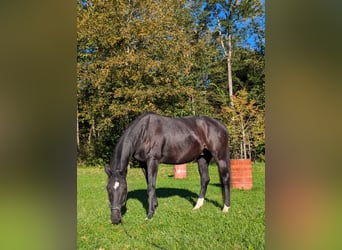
x,y
141,195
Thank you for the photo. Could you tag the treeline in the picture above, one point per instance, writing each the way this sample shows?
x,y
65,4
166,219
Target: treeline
x,y
174,58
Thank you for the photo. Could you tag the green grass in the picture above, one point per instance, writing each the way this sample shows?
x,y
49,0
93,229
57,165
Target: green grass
x,y
175,225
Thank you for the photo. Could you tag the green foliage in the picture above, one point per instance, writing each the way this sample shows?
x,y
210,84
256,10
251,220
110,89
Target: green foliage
x,y
161,56
175,225
249,74
246,127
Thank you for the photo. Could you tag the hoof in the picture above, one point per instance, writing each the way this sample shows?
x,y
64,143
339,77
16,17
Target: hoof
x,y
148,219
199,203
225,209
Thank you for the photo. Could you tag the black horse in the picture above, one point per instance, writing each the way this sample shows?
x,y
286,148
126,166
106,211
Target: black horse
x,y
152,139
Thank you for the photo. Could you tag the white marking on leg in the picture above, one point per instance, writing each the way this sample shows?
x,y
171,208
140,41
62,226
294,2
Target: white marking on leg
x,y
225,208
199,203
116,185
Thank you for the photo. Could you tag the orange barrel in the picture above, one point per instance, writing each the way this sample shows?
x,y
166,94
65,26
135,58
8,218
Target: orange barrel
x,y
180,171
241,174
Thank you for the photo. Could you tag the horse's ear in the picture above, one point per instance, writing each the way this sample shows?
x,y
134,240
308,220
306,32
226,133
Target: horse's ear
x,y
108,170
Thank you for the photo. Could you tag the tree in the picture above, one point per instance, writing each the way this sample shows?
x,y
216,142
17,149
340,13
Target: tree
x,y
249,73
247,130
133,56
232,20
170,57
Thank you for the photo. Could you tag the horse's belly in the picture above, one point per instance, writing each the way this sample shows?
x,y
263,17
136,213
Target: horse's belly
x,y
178,154
176,160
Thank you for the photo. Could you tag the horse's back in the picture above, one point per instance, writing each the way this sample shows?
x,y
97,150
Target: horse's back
x,y
203,130
204,124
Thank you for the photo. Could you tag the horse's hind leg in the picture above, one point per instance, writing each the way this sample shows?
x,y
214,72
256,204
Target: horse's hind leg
x,y
143,167
203,163
224,166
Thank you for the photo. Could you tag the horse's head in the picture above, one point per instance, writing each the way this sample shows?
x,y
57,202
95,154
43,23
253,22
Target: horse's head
x,y
117,194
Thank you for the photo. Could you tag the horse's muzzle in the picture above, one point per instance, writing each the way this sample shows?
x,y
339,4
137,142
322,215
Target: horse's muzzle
x,y
116,217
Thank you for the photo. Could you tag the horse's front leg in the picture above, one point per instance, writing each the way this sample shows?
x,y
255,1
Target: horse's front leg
x,y
204,173
152,170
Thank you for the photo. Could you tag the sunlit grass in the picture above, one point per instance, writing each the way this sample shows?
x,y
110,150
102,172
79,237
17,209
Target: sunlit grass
x,y
175,225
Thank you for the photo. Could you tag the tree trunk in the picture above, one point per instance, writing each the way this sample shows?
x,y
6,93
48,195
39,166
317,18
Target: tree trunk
x,y
193,105
241,150
249,150
244,144
91,131
77,132
243,131
228,54
229,69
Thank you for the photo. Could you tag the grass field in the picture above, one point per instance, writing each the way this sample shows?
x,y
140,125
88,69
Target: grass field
x,y
175,225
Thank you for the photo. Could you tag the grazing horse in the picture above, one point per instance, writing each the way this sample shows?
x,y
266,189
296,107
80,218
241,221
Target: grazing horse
x,y
152,139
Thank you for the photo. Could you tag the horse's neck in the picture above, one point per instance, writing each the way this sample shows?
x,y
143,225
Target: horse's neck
x,y
126,146
121,156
